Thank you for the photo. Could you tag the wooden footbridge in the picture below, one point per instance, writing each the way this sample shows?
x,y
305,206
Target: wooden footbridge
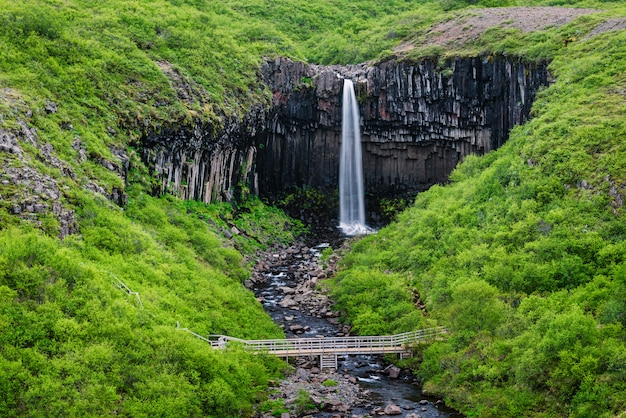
x,y
328,348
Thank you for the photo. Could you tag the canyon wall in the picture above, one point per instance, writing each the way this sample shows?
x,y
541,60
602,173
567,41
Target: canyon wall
x,y
202,162
418,121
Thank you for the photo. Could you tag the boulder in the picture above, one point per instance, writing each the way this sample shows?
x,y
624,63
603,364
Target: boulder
x,y
287,290
288,302
392,409
297,329
394,371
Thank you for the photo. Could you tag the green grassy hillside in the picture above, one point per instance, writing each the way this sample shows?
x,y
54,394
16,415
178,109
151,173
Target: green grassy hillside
x,y
522,256
92,325
88,323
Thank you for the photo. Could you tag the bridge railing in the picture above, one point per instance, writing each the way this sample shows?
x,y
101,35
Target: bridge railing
x,y
321,344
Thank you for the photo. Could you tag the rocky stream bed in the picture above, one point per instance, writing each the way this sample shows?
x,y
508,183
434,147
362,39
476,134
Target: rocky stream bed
x,y
286,281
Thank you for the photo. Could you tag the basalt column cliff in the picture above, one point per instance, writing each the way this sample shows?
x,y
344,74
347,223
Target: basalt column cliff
x,y
418,120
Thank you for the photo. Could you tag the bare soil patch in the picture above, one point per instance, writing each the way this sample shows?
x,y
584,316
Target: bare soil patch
x,y
469,27
609,25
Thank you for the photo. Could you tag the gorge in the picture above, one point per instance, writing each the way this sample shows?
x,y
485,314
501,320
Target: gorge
x,y
153,152
418,121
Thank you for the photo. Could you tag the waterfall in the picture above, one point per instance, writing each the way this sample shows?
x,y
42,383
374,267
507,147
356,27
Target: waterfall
x,y
351,196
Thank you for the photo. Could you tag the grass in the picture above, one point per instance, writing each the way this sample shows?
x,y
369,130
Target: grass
x,y
522,255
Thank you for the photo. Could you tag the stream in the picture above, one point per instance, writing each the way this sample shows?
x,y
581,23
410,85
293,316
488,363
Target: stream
x,y
285,282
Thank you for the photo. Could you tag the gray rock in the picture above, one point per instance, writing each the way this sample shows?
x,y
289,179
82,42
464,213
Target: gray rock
x,y
393,410
394,372
51,107
296,328
287,290
288,303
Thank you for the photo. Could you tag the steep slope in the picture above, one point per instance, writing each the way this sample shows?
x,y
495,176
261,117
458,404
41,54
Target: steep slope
x,y
522,256
97,271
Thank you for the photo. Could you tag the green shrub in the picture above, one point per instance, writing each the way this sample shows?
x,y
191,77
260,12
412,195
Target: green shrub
x,y
126,353
329,383
520,256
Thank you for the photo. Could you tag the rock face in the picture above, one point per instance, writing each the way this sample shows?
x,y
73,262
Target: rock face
x,y
201,162
418,121
28,193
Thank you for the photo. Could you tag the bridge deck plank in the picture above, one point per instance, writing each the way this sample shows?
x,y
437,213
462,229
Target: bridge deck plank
x,y
334,345
317,352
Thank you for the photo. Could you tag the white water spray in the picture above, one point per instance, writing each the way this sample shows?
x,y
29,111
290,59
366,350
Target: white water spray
x,y
351,196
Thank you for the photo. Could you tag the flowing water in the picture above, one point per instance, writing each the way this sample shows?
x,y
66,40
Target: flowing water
x,y
351,194
369,372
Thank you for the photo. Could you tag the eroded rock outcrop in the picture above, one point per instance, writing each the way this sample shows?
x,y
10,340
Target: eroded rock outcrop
x,y
27,192
203,162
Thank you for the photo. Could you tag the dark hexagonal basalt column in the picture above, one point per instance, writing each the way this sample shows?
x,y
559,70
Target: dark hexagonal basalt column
x,y
418,119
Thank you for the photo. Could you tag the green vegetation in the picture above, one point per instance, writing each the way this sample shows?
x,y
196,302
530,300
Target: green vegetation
x,y
521,256
307,200
254,225
75,340
303,403
275,407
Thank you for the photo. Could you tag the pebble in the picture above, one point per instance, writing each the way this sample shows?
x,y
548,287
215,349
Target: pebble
x,y
300,293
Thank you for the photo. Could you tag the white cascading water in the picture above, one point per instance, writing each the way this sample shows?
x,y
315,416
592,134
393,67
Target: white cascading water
x,y
351,196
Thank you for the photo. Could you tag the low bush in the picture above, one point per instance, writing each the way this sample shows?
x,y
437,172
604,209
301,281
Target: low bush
x,y
520,257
